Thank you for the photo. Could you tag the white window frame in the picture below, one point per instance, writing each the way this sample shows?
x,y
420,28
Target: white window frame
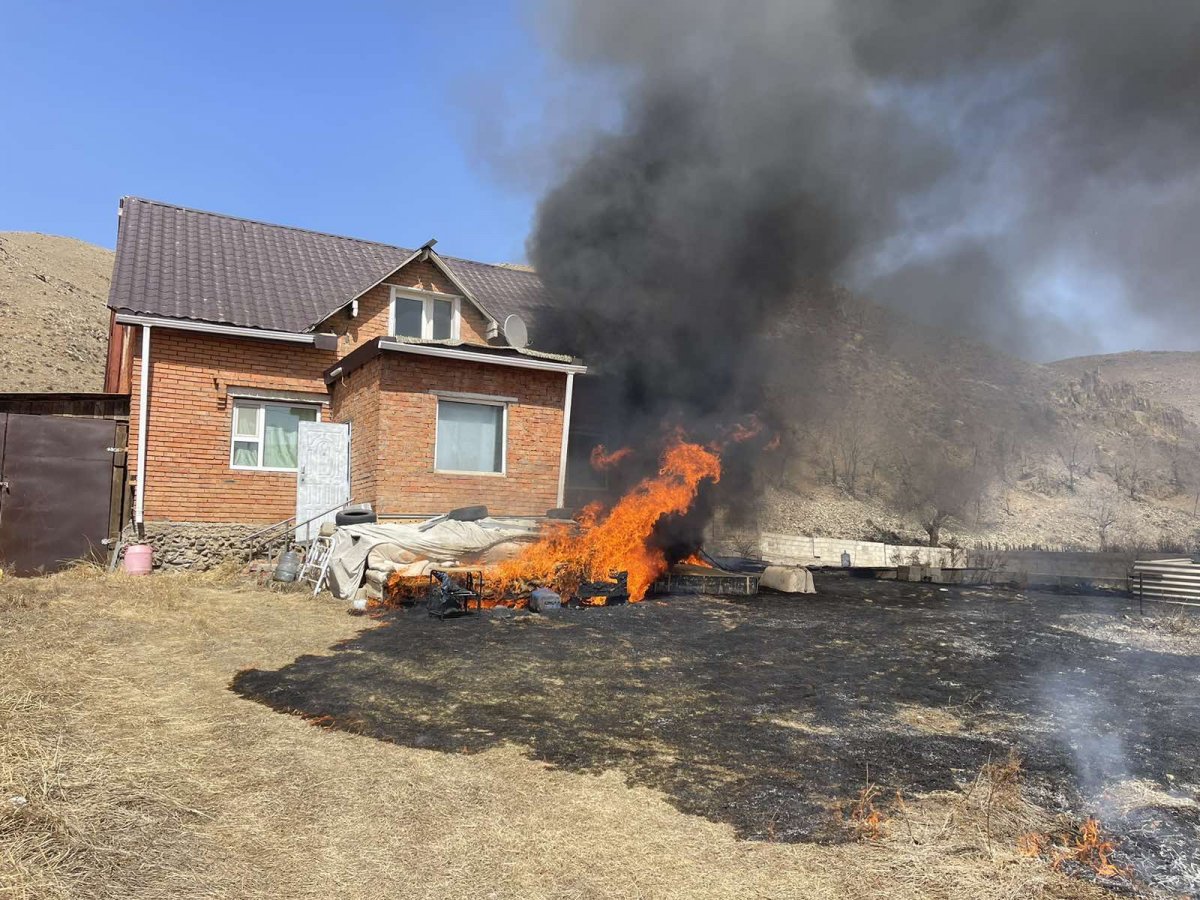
x,y
427,298
474,401
260,438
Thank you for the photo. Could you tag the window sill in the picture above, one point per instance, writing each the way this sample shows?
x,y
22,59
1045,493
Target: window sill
x,y
263,469
473,474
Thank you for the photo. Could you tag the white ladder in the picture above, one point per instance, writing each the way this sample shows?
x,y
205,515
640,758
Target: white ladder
x,y
315,568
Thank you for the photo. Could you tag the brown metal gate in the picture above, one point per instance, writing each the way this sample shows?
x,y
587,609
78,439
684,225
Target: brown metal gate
x,y
56,489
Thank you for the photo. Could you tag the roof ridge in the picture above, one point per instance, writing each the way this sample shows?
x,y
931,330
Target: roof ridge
x,y
507,267
231,218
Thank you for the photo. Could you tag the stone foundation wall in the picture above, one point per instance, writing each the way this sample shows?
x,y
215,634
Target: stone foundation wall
x,y
195,546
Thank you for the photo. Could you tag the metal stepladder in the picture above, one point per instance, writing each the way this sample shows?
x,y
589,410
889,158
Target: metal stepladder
x,y
315,567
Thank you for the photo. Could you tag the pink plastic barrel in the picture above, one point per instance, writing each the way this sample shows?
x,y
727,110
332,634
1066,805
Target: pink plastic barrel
x,y
139,559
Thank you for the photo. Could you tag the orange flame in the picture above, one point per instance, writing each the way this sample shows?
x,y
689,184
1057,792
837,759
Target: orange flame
x,y
1092,851
865,819
695,560
744,431
602,460
565,557
1087,848
1032,844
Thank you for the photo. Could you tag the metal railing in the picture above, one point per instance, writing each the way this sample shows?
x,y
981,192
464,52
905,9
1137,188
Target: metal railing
x,y
280,530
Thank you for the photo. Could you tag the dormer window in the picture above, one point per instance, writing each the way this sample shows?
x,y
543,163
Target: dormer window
x,y
423,314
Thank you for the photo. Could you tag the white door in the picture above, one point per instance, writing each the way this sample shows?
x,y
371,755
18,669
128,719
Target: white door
x,y
323,480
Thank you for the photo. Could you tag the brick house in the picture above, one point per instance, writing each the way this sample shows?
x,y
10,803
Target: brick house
x,y
227,333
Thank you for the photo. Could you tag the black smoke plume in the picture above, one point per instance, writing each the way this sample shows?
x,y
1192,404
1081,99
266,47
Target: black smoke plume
x,y
964,160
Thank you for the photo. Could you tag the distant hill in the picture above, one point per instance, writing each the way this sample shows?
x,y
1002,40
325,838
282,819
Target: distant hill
x,y
1164,376
53,317
882,410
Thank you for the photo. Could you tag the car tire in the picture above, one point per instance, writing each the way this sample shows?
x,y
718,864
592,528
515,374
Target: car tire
x,y
355,517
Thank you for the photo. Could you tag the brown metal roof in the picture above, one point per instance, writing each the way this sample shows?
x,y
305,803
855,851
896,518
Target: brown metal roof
x,y
184,263
503,290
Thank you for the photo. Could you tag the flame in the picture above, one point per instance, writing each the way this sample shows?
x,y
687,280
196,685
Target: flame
x,y
1087,848
567,556
744,431
1092,851
865,819
602,460
695,560
1032,844
400,589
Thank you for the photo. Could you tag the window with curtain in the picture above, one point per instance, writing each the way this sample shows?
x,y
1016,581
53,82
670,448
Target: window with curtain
x,y
470,437
267,435
430,318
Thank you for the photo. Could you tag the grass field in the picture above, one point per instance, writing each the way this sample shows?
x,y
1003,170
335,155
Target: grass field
x,y
144,776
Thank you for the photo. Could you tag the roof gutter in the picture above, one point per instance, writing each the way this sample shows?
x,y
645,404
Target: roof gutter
x,y
320,341
518,362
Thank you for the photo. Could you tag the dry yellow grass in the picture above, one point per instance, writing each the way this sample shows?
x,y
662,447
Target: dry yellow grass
x,y
145,777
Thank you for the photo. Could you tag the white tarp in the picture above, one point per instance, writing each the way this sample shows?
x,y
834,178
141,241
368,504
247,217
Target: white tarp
x,y
359,547
788,580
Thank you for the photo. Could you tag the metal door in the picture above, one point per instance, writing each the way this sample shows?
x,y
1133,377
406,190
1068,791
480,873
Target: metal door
x,y
56,475
323,481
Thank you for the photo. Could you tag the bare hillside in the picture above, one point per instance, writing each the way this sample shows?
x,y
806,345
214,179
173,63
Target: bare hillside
x,y
896,427
1164,376
52,312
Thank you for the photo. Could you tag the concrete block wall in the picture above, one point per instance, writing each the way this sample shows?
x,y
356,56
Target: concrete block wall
x,y
809,550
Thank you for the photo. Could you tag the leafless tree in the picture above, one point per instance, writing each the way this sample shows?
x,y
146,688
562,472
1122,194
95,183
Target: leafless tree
x,y
849,448
936,488
1130,469
1068,455
1103,512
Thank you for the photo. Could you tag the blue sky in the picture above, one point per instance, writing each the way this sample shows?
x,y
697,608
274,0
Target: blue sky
x,y
343,117
393,121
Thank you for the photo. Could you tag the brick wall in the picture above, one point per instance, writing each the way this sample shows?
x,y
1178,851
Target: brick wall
x,y
191,417
374,308
406,423
356,401
394,421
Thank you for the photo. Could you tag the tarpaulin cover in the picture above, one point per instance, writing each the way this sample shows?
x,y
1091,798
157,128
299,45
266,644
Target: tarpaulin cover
x,y
357,547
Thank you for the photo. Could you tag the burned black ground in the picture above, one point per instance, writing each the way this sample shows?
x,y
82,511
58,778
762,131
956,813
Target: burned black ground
x,y
767,713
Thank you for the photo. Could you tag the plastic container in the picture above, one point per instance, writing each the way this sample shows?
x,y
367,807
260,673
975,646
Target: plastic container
x,y
544,599
138,560
288,566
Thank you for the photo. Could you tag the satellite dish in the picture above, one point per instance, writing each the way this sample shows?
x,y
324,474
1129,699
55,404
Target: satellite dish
x,y
515,332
